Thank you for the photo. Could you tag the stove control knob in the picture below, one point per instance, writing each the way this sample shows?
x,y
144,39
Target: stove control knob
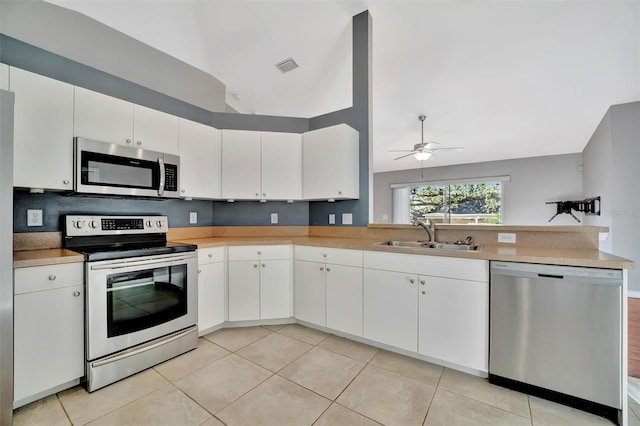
x,y
93,224
78,224
160,223
149,224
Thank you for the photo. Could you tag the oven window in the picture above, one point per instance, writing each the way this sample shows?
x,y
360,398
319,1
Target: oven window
x,y
143,299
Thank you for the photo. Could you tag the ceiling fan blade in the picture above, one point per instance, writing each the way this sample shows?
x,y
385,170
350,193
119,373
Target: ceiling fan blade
x,y
453,148
408,155
400,150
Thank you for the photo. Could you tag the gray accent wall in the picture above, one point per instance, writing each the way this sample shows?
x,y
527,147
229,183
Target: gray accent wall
x,y
611,170
534,181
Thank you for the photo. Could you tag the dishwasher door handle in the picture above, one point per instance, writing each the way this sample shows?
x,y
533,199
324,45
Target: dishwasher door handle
x,y
557,277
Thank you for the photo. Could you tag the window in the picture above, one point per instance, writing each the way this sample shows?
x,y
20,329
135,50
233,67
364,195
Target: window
x,y
463,202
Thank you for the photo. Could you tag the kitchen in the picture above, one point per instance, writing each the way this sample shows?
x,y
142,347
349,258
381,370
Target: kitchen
x,y
220,213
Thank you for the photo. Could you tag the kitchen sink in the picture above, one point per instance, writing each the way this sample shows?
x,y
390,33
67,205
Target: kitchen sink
x,y
430,245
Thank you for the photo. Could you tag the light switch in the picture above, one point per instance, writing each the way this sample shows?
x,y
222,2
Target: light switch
x,y
347,219
193,217
274,218
332,219
34,217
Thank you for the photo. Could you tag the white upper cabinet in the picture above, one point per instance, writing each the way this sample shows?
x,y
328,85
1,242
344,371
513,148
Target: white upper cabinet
x,y
103,118
108,119
43,131
261,165
155,130
330,163
241,165
200,162
281,166
4,77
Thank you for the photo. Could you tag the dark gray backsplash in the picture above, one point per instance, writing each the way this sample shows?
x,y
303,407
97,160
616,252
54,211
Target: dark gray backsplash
x,y
210,213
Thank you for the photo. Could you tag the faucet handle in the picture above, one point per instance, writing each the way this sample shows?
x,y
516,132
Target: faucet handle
x,y
468,240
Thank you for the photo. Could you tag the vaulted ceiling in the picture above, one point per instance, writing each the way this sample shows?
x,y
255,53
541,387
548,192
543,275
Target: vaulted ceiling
x,y
501,78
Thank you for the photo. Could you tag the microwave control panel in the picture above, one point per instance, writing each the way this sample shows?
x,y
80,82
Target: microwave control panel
x,y
170,177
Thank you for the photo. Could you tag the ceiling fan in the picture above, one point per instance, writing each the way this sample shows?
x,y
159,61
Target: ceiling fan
x,y
424,150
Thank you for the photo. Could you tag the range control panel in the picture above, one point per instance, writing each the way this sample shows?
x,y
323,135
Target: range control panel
x,y
82,225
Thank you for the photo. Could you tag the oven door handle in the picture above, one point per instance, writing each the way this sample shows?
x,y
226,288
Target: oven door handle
x,y
162,177
143,348
119,265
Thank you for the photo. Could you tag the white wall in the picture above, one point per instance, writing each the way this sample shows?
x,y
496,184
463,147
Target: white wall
x,y
612,170
533,182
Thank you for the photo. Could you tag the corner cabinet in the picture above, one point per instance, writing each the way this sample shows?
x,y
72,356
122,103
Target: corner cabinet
x,y
49,330
200,164
330,163
211,288
108,119
43,131
259,282
261,165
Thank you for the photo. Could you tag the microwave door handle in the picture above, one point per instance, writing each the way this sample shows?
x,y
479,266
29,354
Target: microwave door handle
x,y
161,184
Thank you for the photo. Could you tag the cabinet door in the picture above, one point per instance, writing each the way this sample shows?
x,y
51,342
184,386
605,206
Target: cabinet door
x,y
199,160
49,339
454,318
391,308
281,166
240,165
102,117
275,289
330,163
43,131
309,295
344,299
155,130
4,77
244,290
211,297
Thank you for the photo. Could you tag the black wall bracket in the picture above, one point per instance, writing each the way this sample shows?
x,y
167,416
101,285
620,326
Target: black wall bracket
x,y
589,206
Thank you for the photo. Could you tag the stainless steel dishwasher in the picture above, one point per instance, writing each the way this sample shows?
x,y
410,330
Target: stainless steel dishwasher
x,y
556,332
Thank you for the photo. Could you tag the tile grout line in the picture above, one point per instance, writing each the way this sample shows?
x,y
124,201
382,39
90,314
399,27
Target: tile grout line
x,y
433,396
62,406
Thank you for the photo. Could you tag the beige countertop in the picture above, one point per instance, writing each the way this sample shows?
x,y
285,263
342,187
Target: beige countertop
x,y
558,256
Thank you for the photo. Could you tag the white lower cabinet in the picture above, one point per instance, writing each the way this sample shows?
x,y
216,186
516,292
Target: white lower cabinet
x,y
259,282
391,308
211,288
454,321
329,293
48,328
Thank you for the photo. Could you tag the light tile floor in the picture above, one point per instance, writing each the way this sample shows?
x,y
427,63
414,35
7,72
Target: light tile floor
x,y
293,375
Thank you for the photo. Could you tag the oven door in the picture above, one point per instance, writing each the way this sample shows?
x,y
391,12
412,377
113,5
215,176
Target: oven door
x,y
133,301
103,168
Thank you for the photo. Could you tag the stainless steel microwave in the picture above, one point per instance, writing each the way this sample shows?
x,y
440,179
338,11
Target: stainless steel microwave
x,y
111,169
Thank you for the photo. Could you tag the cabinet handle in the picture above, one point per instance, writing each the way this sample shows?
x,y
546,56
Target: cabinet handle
x,y
257,194
339,192
52,277
210,254
66,181
328,269
264,194
139,143
424,292
76,294
128,140
199,271
263,265
322,268
259,253
255,266
422,282
412,281
182,191
324,255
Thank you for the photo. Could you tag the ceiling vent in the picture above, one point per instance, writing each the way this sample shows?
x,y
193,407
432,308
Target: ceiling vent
x,y
287,65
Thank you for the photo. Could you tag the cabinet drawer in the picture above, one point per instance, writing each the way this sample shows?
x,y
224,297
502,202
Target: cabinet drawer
x,y
330,255
210,255
39,278
437,266
260,252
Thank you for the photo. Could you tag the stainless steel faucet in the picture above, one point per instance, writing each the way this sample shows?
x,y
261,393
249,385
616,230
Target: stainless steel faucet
x,y
429,226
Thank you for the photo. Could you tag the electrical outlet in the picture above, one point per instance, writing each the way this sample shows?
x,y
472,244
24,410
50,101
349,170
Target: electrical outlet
x,y
34,217
332,219
347,219
506,238
274,218
193,217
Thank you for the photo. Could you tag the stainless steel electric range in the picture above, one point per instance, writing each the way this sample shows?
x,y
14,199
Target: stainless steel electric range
x,y
141,294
